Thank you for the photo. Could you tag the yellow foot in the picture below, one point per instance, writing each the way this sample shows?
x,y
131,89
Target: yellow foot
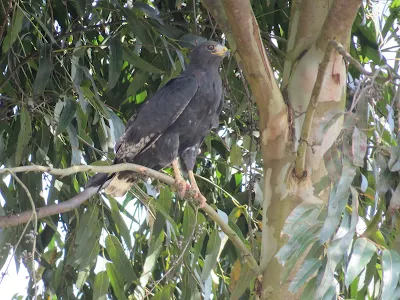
x,y
181,187
197,196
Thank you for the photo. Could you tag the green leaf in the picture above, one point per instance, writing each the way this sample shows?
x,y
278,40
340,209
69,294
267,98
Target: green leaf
x,y
309,291
154,252
135,60
359,147
333,163
164,294
73,139
118,257
24,135
116,280
337,202
298,243
45,68
391,272
7,238
238,232
298,216
198,245
140,30
119,221
394,162
363,250
100,286
188,222
115,63
138,81
16,27
116,125
67,114
210,261
87,239
309,267
165,214
236,156
243,283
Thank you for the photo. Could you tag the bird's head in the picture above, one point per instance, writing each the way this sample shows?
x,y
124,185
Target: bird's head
x,y
208,53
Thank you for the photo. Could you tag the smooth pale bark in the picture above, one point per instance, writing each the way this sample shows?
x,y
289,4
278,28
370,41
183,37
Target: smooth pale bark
x,y
312,25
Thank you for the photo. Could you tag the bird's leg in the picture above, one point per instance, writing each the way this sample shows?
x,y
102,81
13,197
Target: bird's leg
x,y
179,181
202,200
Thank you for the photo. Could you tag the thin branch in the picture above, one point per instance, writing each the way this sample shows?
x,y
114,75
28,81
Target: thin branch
x,y
3,26
35,219
312,106
355,62
24,217
234,238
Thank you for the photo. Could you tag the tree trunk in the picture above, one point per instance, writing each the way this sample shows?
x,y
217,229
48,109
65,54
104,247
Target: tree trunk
x,y
293,143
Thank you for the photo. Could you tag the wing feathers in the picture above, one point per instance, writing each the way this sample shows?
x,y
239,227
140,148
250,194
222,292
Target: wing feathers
x,y
156,115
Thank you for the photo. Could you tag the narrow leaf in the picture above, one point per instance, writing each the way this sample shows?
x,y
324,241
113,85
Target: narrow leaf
x,y
246,276
116,280
24,135
138,62
67,114
337,202
363,250
391,272
16,27
359,147
308,268
45,69
236,156
115,62
118,257
211,254
394,162
100,286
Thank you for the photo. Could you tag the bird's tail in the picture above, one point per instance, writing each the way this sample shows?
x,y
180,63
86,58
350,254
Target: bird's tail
x,y
116,185
120,183
99,180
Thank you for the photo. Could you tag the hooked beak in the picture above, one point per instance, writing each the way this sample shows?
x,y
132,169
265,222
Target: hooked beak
x,y
222,51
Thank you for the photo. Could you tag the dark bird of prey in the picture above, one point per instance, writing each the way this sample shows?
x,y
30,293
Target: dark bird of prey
x,y
172,123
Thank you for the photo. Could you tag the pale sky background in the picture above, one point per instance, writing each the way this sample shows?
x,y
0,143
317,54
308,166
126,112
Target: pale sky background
x,y
16,283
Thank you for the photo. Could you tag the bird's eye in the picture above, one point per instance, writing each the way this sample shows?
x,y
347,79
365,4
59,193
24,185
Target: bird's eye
x,y
210,47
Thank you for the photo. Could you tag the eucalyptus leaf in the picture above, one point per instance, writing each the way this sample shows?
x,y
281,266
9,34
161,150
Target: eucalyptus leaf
x,y
119,259
212,251
115,63
391,273
45,68
363,250
24,134
100,286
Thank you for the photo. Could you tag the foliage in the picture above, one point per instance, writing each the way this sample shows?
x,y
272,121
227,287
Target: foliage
x,y
73,73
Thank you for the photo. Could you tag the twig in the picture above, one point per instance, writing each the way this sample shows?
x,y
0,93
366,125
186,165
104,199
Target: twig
x,y
3,26
24,217
35,219
234,238
175,263
348,58
312,106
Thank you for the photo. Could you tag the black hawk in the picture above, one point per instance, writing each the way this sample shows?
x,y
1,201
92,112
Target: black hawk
x,y
172,123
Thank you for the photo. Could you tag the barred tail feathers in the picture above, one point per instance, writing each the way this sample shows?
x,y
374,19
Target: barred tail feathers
x,y
119,185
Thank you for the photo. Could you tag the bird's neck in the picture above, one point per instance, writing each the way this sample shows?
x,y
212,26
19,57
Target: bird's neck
x,y
209,68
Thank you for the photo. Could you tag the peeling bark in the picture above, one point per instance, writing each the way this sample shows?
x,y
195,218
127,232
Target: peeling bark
x,y
312,25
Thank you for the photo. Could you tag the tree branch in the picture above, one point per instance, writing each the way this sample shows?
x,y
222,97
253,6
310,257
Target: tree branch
x,y
256,67
300,163
24,217
355,62
337,27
